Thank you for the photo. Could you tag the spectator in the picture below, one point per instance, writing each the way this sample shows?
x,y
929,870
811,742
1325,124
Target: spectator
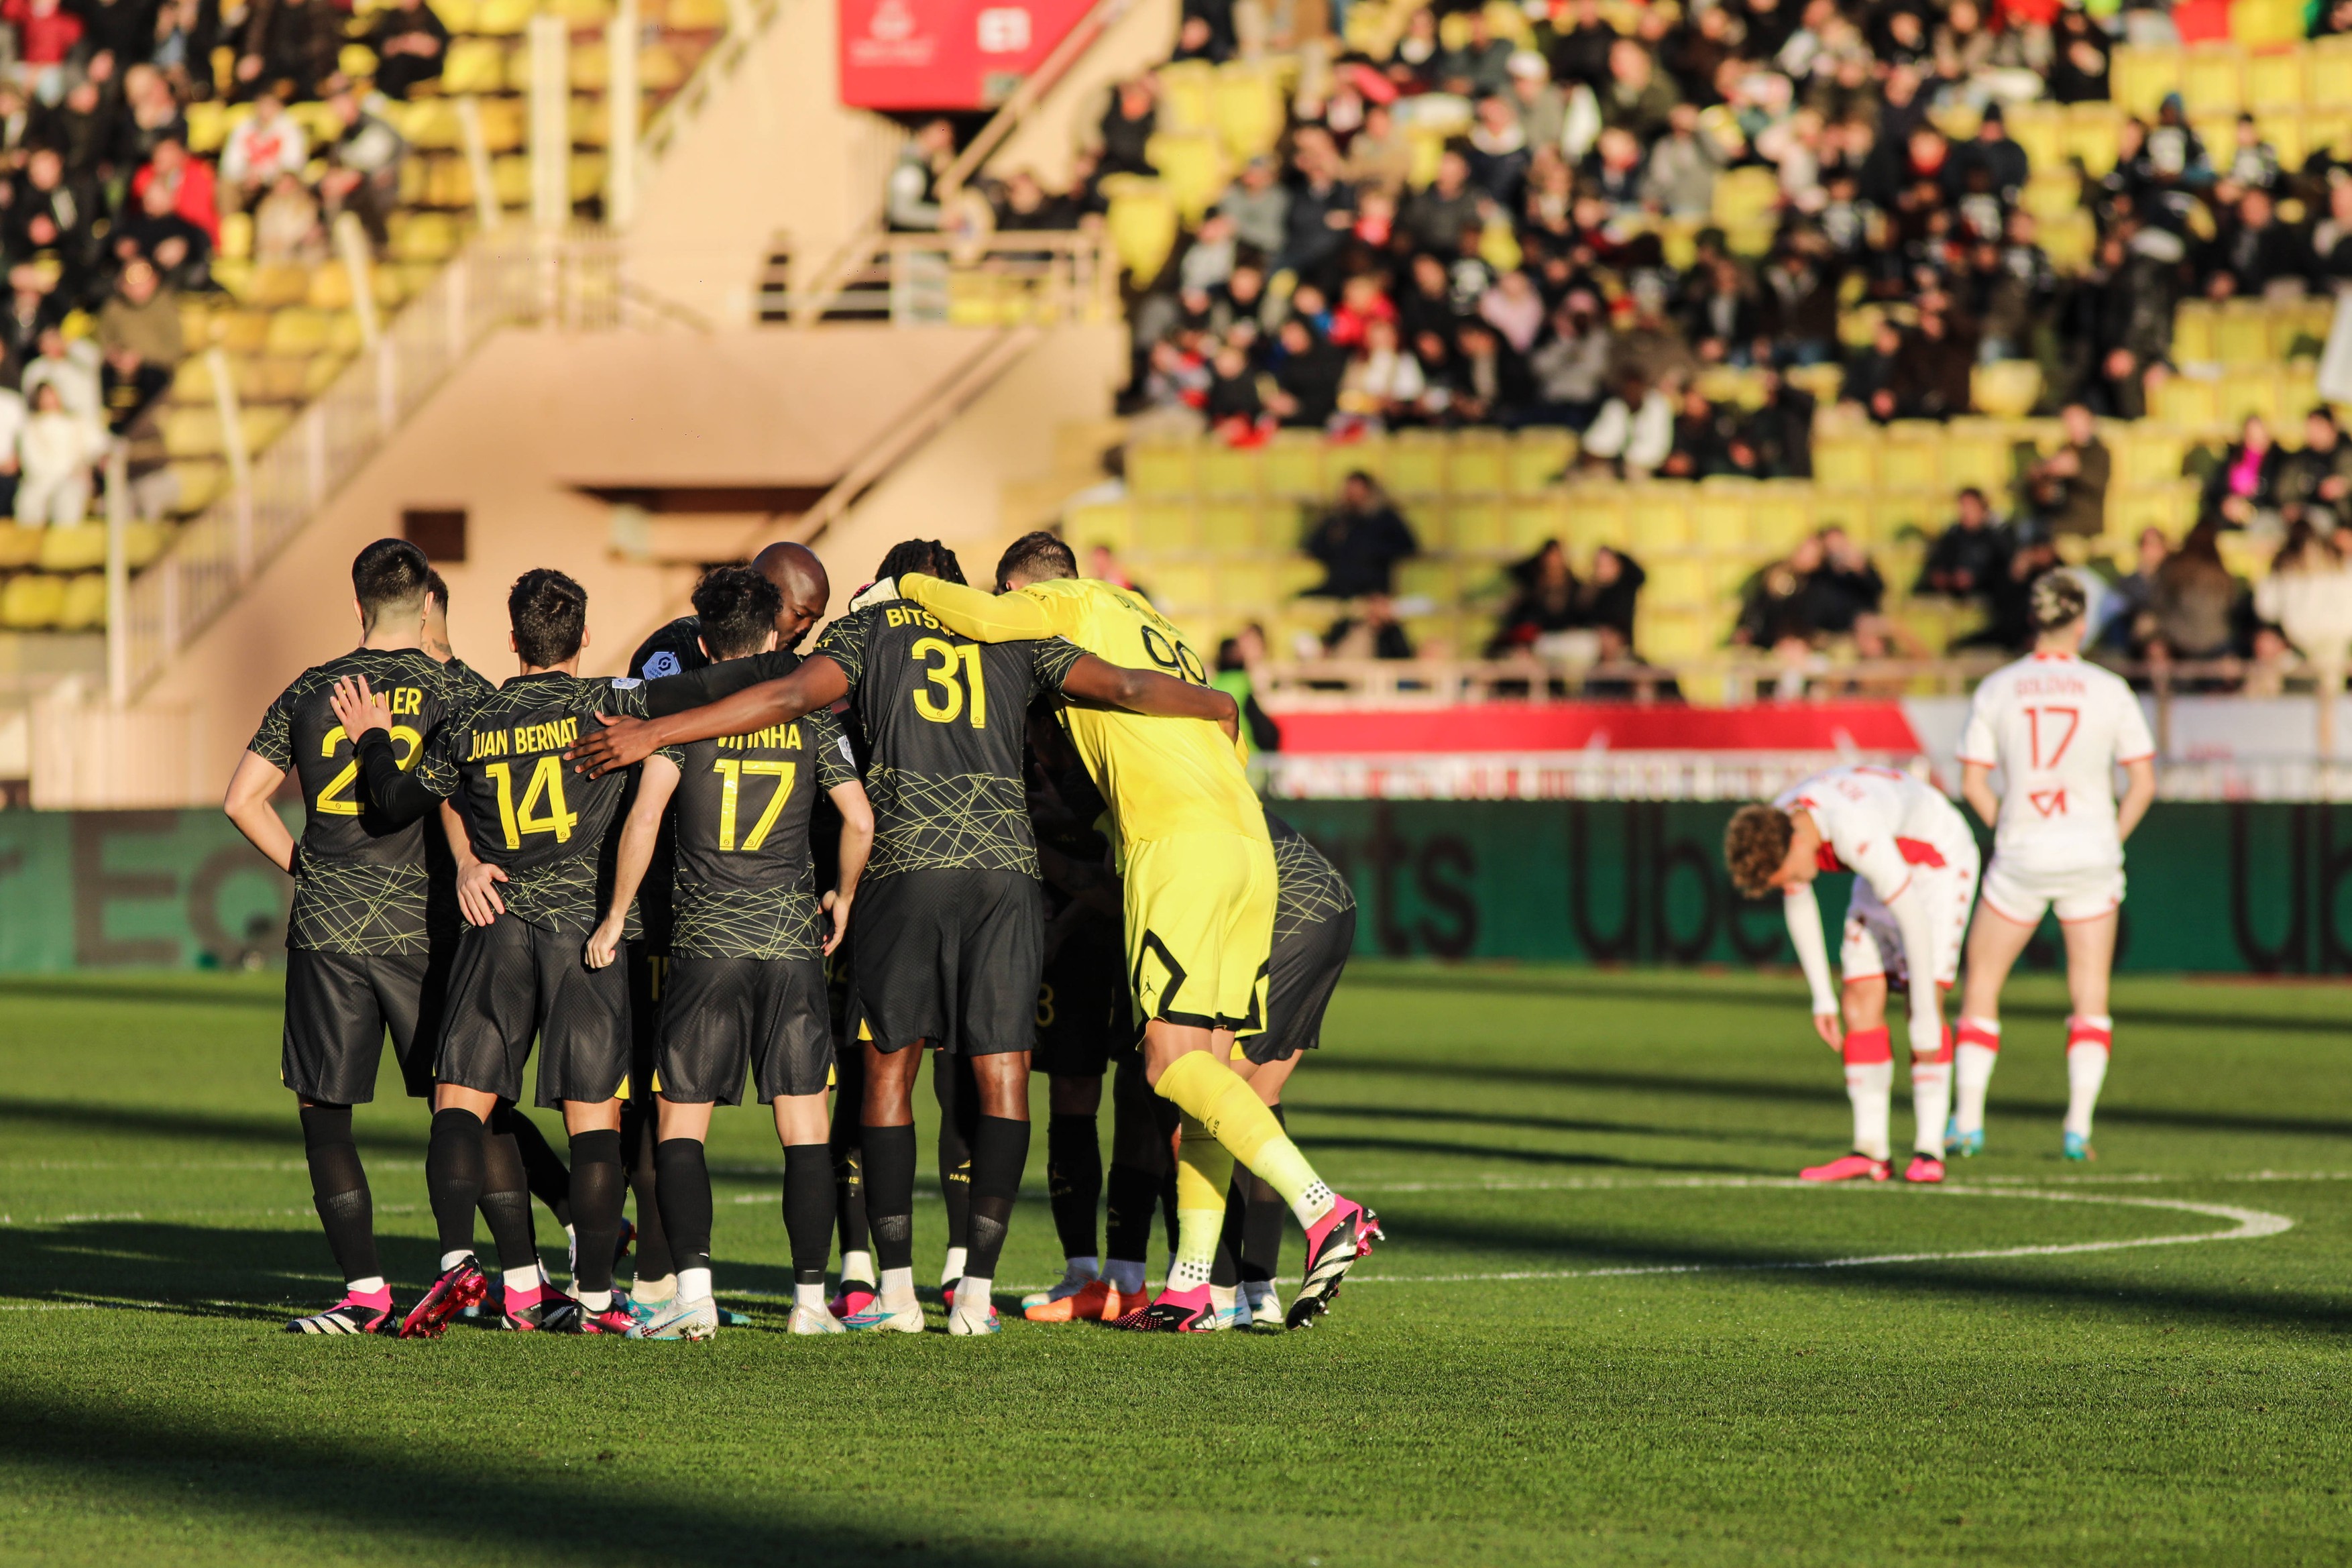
x,y
139,331
265,145
187,182
1779,434
2308,597
1360,542
286,227
362,176
2068,490
290,45
2128,615
1308,378
1383,383
2009,598
2244,485
12,433
1240,657
2312,484
1259,208
911,200
1608,597
1635,431
73,369
2194,600
1376,633
1970,554
1679,178
1568,366
1433,219
411,44
1543,604
54,451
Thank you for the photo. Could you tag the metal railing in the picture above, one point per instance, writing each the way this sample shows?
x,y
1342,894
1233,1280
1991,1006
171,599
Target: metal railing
x,y
574,283
1040,279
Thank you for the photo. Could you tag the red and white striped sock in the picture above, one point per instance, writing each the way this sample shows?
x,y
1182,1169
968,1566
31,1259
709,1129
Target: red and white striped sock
x,y
2089,1042
1931,1097
1870,1086
1973,1057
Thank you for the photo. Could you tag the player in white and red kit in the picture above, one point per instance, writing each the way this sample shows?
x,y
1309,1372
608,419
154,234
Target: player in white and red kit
x,y
2057,728
1915,865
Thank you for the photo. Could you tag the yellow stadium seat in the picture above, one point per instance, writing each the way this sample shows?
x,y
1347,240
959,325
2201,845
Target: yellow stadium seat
x,y
2187,400
1478,527
1744,197
2260,24
1107,523
1294,465
2250,391
1720,515
1661,517
329,288
1823,381
1847,462
1165,526
2050,198
1142,219
1188,96
1781,514
2070,241
1528,521
76,549
1231,525
1249,583
1182,584
2195,332
2140,77
2041,130
1678,580
1598,514
2328,67
2093,133
1249,108
1417,463
297,332
2214,79
1229,470
502,18
2242,335
83,607
425,237
262,425
2327,127
1977,452
475,65
1677,637
1480,464
431,124
1848,508
1912,456
1898,512
1159,469
1293,574
2170,506
2008,389
20,547
32,602
1428,577
1368,454
194,432
1539,457
2276,79
1192,167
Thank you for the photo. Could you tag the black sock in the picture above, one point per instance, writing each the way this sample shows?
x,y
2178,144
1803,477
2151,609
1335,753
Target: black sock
x,y
453,1175
951,1083
339,1189
653,1252
848,1163
890,1194
808,1209
1131,1194
684,1187
599,1183
1073,1179
1262,1225
542,1167
506,1196
1000,1151
1165,1113
1224,1270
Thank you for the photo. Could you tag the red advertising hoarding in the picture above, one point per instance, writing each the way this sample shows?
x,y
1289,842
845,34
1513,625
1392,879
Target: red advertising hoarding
x,y
945,54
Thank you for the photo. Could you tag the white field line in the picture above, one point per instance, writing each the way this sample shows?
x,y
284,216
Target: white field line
x,y
2247,1224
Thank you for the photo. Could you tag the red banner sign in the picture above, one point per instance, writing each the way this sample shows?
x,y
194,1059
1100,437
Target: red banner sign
x,y
945,54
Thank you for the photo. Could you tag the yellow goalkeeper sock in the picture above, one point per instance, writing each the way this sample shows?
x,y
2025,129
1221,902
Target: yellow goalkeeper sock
x,y
1205,1169
1210,1093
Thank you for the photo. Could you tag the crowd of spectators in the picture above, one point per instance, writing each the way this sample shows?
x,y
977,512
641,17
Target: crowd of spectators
x,y
1529,282
107,218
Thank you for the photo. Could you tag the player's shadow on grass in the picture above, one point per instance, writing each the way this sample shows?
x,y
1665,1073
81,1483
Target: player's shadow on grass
x,y
1661,986
1570,1079
59,988
1559,1124
281,1133
1565,1247
195,1270
364,1491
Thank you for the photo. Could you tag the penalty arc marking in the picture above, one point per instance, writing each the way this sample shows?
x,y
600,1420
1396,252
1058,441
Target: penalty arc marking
x,y
2245,1224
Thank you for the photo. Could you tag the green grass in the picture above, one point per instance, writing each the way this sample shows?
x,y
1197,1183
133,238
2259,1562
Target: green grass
x,y
2169,1404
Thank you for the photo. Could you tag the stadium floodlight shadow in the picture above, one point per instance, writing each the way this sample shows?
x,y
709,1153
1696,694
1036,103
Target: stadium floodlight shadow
x,y
1659,985
279,1133
367,1493
1311,1107
1826,1095
1537,1244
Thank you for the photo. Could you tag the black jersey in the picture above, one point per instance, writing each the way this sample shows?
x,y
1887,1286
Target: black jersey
x,y
553,832
672,651
363,881
1308,889
945,719
745,884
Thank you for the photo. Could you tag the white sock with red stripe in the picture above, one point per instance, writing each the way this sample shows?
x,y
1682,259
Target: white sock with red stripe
x,y
1978,1049
1870,1086
1931,1099
2089,1041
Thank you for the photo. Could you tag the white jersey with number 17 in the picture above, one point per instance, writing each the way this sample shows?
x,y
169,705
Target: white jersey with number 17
x,y
2057,728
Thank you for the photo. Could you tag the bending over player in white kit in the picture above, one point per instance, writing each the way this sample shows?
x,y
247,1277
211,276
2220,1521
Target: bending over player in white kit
x,y
2057,728
1915,865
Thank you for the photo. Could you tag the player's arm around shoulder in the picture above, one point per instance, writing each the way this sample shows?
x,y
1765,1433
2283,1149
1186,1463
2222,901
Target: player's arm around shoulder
x,y
1025,615
1150,693
655,782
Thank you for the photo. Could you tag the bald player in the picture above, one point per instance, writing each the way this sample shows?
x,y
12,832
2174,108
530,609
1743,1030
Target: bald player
x,y
800,577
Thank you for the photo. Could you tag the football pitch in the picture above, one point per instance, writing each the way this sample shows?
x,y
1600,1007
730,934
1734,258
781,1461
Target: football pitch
x,y
1606,1328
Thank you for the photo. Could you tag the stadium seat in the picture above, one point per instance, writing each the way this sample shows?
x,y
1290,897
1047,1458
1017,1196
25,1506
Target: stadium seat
x,y
1661,517
1847,462
2187,400
2249,391
1528,521
2214,80
1100,523
1783,513
1249,583
1598,514
2277,80
1294,465
1226,471
2008,388
2195,332
1188,90
20,547
2241,333
2140,77
75,548
2093,134
1721,513
1192,167
1480,464
1157,470
1230,525
1847,509
1142,219
1745,197
1249,109
1184,585
1417,463
1539,457
1912,456
83,605
32,601
1162,527
1979,452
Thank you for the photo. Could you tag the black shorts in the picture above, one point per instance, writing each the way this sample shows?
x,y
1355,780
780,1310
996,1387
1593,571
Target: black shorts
x,y
648,977
1305,970
720,1016
950,956
338,1007
514,981
1084,1017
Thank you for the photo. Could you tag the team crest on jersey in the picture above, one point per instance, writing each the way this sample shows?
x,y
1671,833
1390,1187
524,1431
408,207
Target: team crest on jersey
x,y
2049,801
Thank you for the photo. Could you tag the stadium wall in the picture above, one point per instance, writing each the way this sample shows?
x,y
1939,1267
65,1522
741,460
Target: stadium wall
x,y
2241,888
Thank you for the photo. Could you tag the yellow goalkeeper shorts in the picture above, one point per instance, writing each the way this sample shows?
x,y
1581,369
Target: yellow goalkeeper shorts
x,y
1200,929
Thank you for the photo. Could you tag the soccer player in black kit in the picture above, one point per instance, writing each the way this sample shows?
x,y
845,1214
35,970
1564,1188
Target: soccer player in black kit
x,y
535,876
358,942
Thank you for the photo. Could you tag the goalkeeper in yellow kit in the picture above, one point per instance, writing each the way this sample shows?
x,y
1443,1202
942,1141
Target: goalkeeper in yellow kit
x,y
1199,878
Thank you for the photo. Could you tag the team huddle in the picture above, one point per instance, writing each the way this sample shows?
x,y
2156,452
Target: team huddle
x,y
1009,831
2056,729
